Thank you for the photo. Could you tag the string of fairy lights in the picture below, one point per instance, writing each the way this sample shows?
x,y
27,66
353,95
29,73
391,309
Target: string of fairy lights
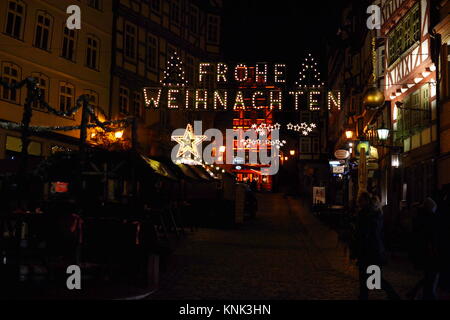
x,y
308,85
309,76
265,129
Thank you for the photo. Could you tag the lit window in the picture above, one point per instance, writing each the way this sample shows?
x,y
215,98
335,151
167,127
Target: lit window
x,y
213,29
43,83
43,31
92,52
130,41
68,47
124,97
11,75
66,96
15,19
415,114
405,34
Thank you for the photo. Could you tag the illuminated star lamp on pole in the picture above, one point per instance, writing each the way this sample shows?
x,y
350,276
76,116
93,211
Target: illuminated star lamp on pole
x,y
189,143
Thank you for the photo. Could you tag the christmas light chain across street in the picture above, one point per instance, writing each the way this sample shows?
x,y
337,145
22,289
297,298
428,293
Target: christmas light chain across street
x,y
304,128
248,143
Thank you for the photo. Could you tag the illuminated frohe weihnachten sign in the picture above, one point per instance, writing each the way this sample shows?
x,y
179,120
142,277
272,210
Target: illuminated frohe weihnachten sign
x,y
222,87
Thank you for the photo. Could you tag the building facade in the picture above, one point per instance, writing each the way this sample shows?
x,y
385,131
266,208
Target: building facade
x,y
351,69
408,166
411,87
443,29
146,33
66,63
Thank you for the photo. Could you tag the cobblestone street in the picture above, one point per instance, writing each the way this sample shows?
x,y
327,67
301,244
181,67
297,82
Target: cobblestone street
x,y
285,254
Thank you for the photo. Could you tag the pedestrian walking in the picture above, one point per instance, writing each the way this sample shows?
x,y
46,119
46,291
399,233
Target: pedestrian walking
x,y
425,250
369,244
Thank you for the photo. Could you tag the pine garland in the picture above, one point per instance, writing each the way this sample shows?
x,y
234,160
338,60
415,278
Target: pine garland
x,y
81,101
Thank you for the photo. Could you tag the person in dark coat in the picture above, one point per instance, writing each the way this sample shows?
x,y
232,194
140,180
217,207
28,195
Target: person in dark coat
x,y
425,249
370,246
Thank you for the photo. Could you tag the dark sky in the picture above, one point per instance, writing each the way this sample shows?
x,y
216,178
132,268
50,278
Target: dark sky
x,y
278,30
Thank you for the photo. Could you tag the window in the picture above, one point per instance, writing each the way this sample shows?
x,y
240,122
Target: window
x,y
93,101
92,52
43,83
137,104
43,31
10,74
175,11
13,148
415,113
152,53
124,97
405,34
316,145
305,117
130,41
66,96
15,19
193,19
156,5
68,46
94,4
415,116
213,29
305,145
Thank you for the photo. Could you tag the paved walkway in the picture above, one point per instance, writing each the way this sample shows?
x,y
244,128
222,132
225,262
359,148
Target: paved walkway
x,y
286,254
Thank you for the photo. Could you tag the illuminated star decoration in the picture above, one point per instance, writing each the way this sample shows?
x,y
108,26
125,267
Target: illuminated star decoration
x,y
189,143
303,128
250,143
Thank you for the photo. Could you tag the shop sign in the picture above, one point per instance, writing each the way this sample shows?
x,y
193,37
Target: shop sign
x,y
373,153
339,170
59,187
342,154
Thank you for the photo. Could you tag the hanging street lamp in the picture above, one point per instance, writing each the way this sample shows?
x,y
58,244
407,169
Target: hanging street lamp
x,y
383,133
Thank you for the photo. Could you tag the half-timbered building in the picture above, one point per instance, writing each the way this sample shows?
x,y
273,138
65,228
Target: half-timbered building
x,y
410,85
146,33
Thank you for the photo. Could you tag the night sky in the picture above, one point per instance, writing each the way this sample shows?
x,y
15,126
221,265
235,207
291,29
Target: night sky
x,y
278,31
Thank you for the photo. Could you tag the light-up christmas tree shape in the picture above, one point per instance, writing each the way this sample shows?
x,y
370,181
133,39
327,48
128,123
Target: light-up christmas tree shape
x,y
309,75
174,73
